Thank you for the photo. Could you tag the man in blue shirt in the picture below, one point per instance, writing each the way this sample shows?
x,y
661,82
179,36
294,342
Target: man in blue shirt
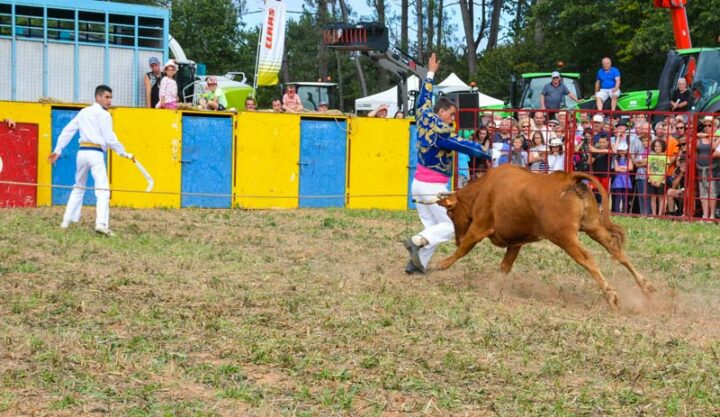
x,y
607,85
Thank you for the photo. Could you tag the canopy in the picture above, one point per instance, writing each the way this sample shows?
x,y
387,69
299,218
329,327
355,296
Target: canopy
x,y
451,84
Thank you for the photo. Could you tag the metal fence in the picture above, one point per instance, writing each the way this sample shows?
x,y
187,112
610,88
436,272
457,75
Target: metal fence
x,y
653,164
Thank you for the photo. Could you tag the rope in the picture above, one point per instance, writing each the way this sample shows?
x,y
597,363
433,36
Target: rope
x,y
116,190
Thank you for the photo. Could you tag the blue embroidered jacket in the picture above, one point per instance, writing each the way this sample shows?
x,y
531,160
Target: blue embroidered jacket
x,y
436,141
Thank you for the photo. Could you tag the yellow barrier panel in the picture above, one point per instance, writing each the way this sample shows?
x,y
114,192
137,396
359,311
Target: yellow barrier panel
x,y
378,163
39,114
267,150
154,137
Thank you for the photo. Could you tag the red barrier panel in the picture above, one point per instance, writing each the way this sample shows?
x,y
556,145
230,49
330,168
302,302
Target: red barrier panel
x,y
18,161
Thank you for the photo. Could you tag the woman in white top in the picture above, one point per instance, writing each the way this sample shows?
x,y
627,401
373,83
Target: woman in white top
x,y
168,88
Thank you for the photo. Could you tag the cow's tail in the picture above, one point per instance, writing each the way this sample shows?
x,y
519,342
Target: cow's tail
x,y
616,232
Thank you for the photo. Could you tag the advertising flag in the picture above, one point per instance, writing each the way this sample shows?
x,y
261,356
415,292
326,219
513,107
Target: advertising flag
x,y
271,43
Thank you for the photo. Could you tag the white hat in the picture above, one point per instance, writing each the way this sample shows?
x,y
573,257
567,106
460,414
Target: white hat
x,y
170,63
598,118
553,121
708,119
555,74
556,142
622,146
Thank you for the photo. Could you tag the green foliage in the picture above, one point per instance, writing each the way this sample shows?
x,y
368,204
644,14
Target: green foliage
x,y
208,32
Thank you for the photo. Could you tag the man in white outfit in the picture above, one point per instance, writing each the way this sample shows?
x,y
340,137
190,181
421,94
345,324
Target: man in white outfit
x,y
96,136
436,141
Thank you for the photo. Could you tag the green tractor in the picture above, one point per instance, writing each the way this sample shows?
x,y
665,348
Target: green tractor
x,y
525,93
699,66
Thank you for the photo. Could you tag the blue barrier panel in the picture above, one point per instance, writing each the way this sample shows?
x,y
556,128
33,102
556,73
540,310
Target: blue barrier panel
x,y
323,154
206,161
412,163
63,172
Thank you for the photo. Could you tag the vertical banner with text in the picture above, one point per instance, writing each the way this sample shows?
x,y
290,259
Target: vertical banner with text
x,y
271,43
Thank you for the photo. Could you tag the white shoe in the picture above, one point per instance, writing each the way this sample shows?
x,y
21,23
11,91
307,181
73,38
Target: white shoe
x,y
64,225
104,231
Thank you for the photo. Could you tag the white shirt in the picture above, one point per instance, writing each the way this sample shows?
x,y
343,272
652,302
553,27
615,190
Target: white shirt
x,y
95,125
556,162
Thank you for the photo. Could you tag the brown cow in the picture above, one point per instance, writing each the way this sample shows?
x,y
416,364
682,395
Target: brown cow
x,y
512,207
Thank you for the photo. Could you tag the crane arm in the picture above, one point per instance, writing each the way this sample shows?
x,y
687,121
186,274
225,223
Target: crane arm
x,y
678,16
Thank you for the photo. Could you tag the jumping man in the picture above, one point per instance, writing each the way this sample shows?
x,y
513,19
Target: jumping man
x,y
436,139
96,135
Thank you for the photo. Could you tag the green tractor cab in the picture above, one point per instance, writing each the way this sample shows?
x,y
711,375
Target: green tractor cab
x,y
525,93
701,68
313,93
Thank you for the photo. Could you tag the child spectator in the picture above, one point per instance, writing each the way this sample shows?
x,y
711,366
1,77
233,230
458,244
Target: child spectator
x,y
657,162
291,101
213,98
639,156
538,153
518,156
168,88
556,157
621,182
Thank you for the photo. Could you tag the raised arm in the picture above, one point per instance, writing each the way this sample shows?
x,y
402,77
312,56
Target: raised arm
x,y
424,102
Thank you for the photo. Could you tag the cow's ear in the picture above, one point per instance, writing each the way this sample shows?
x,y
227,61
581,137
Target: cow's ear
x,y
448,202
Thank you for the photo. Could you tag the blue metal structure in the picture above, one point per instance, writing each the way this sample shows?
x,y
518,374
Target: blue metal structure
x,y
206,161
63,172
323,151
64,48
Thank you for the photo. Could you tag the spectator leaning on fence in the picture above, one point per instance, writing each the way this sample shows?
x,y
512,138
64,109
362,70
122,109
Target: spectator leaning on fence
x,y
707,167
213,98
250,104
277,105
168,88
621,182
676,188
607,85
291,102
639,155
656,170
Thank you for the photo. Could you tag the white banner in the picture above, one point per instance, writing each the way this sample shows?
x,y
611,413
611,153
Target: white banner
x,y
272,43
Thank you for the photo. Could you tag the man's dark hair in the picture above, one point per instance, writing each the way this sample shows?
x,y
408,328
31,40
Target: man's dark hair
x,y
443,103
276,99
101,89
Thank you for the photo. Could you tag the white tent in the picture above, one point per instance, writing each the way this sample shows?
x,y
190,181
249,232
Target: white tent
x,y
388,97
451,84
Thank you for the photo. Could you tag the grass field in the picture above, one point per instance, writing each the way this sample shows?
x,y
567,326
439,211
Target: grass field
x,y
308,313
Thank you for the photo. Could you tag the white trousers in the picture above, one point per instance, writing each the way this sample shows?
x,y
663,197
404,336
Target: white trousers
x,y
94,162
438,226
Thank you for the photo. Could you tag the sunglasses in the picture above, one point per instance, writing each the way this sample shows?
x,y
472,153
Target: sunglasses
x,y
707,124
680,127
524,126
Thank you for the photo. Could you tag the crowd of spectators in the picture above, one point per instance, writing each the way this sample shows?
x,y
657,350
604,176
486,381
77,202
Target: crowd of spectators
x,y
642,167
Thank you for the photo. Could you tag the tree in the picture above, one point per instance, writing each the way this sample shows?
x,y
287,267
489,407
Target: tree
x,y
200,40
495,24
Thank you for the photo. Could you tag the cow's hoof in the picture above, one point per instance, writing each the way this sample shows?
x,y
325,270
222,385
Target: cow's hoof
x,y
612,298
444,264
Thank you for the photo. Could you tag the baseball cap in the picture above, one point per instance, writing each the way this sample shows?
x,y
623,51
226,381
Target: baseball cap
x,y
622,122
555,74
598,118
211,80
323,103
153,60
553,121
556,142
